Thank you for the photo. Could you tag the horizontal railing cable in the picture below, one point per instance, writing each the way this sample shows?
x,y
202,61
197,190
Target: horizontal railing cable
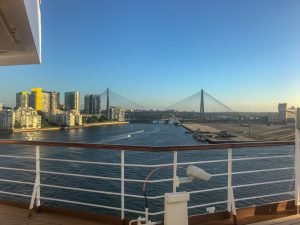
x,y
80,175
17,169
79,161
17,157
15,181
264,196
263,183
15,194
122,179
80,203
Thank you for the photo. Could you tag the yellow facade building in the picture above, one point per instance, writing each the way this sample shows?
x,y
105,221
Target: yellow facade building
x,y
37,94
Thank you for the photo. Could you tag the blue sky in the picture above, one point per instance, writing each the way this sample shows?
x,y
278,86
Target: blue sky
x,y
157,52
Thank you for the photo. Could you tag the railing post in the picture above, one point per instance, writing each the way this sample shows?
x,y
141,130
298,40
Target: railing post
x,y
175,171
36,193
297,160
122,185
38,176
230,195
229,178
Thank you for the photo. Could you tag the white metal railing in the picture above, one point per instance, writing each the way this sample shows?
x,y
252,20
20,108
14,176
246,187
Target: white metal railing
x,y
124,208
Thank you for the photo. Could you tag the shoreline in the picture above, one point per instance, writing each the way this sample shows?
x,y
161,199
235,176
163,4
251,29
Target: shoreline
x,y
70,128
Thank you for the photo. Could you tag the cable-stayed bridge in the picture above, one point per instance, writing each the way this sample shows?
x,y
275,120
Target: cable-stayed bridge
x,y
204,104
199,102
110,98
202,108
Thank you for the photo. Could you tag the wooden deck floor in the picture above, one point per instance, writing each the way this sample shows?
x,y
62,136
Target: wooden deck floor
x,y
10,215
289,220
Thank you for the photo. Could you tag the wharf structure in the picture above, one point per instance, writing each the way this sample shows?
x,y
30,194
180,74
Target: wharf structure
x,y
21,41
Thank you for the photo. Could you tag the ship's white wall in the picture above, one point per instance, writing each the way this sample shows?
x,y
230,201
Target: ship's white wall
x,y
34,16
25,18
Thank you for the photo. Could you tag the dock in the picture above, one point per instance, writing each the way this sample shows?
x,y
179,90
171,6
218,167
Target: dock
x,y
214,135
195,127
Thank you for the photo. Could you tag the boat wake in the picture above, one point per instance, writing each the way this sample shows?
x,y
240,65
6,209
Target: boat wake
x,y
122,136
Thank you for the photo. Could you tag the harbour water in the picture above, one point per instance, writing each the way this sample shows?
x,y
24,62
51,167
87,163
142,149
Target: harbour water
x,y
139,134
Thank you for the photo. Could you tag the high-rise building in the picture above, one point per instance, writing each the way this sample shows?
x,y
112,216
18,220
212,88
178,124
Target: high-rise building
x,y
1,106
282,112
7,120
45,102
72,101
36,99
40,100
22,99
54,101
92,105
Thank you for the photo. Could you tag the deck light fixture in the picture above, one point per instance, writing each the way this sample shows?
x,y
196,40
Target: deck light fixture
x,y
193,172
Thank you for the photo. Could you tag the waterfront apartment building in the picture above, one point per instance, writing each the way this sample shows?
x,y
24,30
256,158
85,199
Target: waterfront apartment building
x,y
22,99
117,114
27,118
68,118
92,105
72,101
7,120
1,106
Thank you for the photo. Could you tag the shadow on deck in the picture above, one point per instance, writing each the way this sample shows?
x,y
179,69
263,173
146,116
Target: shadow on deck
x,y
12,215
16,214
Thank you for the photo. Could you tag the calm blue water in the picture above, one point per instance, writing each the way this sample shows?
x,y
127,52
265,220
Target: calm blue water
x,y
140,134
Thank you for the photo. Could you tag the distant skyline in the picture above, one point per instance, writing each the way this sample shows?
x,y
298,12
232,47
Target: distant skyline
x,y
244,53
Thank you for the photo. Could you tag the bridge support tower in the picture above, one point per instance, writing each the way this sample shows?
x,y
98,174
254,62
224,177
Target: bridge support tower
x,y
202,112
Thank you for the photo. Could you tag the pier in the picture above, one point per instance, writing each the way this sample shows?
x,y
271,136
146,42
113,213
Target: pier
x,y
214,135
221,132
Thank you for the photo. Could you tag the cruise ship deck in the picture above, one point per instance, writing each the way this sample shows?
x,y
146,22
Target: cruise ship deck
x,y
27,176
15,211
12,215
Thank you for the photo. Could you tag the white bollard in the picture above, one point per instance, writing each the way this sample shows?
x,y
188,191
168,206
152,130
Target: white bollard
x,y
176,211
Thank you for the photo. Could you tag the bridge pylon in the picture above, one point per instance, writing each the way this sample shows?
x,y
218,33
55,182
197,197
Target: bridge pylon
x,y
202,111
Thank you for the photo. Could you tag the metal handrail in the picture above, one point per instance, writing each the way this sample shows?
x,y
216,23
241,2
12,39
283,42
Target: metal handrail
x,y
147,148
122,179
